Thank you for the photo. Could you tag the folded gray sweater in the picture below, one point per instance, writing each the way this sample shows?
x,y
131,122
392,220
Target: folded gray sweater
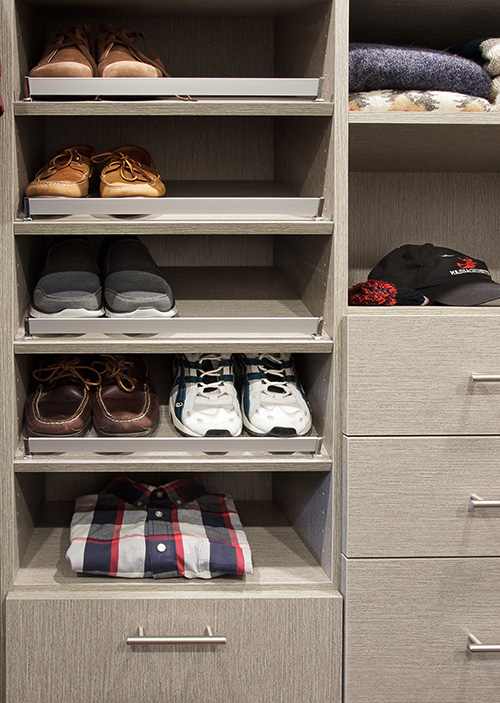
x,y
381,67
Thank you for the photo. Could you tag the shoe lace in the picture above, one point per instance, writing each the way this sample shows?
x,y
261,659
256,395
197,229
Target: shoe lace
x,y
67,368
67,157
128,36
130,169
117,369
64,38
272,376
210,379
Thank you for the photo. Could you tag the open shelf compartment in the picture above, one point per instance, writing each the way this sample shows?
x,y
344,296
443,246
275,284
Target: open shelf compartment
x,y
286,550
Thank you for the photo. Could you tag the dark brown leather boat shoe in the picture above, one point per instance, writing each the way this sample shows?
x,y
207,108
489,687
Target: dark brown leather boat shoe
x,y
67,54
119,54
126,403
67,174
59,404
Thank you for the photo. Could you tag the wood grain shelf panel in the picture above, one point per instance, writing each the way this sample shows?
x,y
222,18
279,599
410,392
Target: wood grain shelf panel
x,y
220,107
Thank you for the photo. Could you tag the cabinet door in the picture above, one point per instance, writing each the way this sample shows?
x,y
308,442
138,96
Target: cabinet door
x,y
278,650
415,375
407,623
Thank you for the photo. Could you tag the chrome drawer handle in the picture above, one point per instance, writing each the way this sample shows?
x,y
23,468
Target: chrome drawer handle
x,y
475,647
477,502
207,638
485,377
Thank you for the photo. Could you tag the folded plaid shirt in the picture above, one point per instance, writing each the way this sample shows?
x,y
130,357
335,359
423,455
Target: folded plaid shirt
x,y
177,529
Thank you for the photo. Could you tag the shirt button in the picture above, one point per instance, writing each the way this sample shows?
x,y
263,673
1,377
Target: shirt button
x,y
159,494
139,502
161,547
158,513
179,502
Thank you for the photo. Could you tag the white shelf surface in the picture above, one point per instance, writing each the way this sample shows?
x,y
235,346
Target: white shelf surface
x,y
257,293
280,558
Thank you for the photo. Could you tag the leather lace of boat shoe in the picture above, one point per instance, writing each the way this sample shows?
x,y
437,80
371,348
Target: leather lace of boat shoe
x,y
129,172
67,54
67,174
59,403
125,403
119,54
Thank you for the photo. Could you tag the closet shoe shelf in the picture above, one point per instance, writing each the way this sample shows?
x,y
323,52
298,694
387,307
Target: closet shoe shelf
x,y
191,208
171,87
165,445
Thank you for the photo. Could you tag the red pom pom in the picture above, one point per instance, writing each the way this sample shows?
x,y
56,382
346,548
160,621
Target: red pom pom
x,y
372,293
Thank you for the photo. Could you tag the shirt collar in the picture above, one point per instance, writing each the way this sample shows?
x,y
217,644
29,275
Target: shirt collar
x,y
179,492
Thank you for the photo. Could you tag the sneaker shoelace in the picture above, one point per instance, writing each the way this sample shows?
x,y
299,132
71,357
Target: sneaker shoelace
x,y
117,369
67,368
68,157
65,39
130,169
276,379
211,382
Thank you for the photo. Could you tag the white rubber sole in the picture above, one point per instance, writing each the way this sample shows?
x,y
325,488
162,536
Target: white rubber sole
x,y
142,312
259,433
73,312
185,430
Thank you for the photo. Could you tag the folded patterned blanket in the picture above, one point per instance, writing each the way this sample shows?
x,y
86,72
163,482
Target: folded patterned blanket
x,y
485,52
381,67
417,101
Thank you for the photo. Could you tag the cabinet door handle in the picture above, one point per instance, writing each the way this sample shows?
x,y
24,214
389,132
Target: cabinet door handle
x,y
485,377
207,638
476,647
477,502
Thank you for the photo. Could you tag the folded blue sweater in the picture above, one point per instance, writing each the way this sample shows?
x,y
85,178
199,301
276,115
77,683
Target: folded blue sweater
x,y
381,67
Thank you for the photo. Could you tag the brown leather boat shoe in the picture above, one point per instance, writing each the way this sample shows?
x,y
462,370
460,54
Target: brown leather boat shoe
x,y
67,174
119,55
59,404
129,172
67,54
126,403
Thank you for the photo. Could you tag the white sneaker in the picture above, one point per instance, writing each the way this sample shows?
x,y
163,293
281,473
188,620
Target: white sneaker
x,y
203,400
273,402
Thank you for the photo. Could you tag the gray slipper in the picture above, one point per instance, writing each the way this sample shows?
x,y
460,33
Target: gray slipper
x,y
69,285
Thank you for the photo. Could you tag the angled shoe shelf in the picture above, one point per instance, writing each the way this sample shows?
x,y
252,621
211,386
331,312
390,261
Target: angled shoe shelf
x,y
272,208
128,88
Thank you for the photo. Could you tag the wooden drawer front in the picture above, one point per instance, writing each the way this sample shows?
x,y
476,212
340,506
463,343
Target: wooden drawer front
x,y
409,496
412,375
406,630
278,649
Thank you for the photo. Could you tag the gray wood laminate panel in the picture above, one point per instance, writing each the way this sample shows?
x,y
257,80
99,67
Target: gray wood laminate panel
x,y
221,107
451,144
262,660
409,496
412,376
406,628
423,22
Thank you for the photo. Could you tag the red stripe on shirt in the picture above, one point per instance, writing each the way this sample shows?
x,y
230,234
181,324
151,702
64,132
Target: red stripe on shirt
x,y
240,562
115,542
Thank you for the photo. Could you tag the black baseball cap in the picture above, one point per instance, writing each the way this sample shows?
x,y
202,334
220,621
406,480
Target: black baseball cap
x,y
441,274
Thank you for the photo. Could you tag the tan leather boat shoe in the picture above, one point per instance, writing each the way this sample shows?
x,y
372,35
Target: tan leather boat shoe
x,y
119,55
67,174
129,172
67,54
